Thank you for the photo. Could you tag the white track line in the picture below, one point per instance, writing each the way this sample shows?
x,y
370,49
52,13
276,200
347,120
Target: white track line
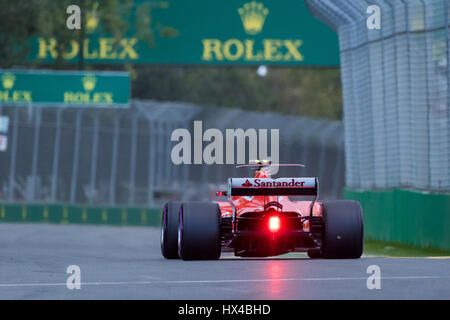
x,y
216,281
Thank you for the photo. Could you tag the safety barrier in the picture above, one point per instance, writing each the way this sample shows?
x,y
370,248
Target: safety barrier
x,y
396,91
412,217
65,214
123,158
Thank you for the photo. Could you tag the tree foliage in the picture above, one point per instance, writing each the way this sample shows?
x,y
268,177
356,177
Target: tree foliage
x,y
23,19
293,90
18,20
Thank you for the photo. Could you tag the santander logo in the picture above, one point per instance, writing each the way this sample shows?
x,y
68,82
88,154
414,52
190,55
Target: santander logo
x,y
247,184
278,183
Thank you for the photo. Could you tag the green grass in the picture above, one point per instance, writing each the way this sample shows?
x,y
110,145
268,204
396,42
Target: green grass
x,y
395,249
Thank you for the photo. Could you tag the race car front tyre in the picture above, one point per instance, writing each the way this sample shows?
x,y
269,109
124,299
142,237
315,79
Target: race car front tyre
x,y
199,231
169,229
344,231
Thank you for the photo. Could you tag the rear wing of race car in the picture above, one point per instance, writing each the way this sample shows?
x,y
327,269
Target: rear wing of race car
x,y
272,187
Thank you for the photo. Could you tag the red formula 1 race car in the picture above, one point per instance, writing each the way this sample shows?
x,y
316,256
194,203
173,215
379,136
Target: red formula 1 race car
x,y
258,219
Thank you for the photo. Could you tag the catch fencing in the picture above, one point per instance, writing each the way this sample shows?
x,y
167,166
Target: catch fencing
x,y
396,91
123,156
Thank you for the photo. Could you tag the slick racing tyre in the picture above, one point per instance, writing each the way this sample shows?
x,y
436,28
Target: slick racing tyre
x,y
314,253
199,231
344,234
169,229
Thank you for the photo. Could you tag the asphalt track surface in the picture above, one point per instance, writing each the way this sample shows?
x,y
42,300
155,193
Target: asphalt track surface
x,y
126,263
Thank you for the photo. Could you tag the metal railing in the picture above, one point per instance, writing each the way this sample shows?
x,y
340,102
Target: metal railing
x,y
123,156
396,91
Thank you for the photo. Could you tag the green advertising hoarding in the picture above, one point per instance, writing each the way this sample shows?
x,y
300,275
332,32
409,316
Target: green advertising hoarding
x,y
207,32
64,88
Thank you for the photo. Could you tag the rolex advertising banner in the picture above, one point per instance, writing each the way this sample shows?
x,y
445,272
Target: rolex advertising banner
x,y
64,88
212,32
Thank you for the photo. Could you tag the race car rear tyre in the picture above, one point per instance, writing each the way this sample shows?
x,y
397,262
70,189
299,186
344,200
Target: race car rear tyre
x,y
199,231
344,231
169,229
314,253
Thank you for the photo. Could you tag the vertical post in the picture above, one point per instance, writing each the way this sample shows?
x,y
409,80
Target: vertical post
x,y
35,157
37,127
12,170
169,165
185,171
176,168
366,175
151,163
173,167
340,166
397,180
112,184
82,36
204,172
159,170
407,146
448,87
94,159
326,135
306,137
382,164
56,154
427,86
133,142
73,187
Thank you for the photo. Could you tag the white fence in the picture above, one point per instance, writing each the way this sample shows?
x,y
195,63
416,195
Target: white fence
x,y
396,91
122,157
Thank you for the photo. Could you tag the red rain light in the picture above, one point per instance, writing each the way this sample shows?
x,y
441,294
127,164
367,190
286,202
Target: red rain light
x,y
274,224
